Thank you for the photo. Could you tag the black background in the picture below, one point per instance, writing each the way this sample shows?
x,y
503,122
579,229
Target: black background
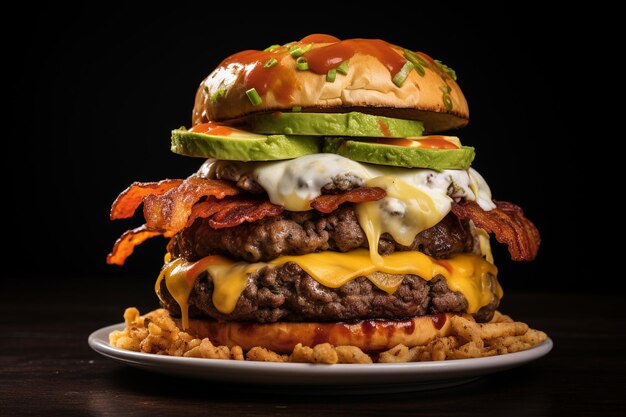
x,y
94,93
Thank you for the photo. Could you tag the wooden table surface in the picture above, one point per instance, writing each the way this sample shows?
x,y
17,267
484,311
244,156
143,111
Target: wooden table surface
x,y
48,368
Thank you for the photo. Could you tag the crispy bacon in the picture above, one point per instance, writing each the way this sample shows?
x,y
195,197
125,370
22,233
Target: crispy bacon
x,y
231,212
507,223
203,210
170,211
246,211
127,202
167,205
328,203
125,245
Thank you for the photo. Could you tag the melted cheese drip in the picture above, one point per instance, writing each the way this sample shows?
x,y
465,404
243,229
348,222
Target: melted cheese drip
x,y
403,213
416,200
485,245
293,184
229,280
467,274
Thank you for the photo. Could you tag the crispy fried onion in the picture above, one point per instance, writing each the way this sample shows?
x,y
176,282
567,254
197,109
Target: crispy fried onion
x,y
127,202
328,203
507,223
125,245
231,212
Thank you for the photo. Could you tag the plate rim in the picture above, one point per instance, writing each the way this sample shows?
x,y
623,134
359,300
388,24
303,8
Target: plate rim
x,y
98,341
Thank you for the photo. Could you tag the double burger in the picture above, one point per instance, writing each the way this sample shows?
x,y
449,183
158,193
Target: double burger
x,y
328,207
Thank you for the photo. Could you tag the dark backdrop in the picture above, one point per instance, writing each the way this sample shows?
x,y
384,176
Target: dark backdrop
x,y
94,93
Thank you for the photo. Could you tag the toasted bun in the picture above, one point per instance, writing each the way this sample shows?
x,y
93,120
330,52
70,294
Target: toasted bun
x,y
282,337
367,87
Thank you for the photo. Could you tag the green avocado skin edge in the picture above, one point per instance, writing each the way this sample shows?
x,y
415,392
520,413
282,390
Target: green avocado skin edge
x,y
270,148
437,159
334,124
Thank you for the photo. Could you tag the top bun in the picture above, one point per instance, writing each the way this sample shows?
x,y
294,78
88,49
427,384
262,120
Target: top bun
x,y
296,75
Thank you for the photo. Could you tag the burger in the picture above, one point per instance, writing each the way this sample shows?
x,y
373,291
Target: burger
x,y
329,210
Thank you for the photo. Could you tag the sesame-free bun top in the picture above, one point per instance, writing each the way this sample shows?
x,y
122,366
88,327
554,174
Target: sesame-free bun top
x,y
370,76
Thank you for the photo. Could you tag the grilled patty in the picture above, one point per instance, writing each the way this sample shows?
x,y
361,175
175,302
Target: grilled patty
x,y
299,233
287,293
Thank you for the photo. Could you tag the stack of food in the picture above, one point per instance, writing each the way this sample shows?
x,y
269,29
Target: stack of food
x,y
328,224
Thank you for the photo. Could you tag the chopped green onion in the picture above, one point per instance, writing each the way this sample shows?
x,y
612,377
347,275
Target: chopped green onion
x,y
220,92
296,109
403,74
302,64
330,75
271,48
447,101
343,68
254,97
270,63
412,56
297,51
206,90
417,61
445,89
447,69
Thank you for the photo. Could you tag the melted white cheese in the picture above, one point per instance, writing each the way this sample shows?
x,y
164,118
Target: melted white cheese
x,y
416,200
296,182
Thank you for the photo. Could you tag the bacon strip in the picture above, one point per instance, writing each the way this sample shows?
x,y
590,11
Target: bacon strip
x,y
170,211
247,211
203,210
171,205
167,205
507,223
232,212
127,202
328,203
125,245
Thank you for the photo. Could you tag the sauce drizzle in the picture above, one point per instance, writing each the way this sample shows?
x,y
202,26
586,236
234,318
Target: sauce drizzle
x,y
281,79
438,320
278,78
212,129
427,142
323,59
436,142
384,128
320,38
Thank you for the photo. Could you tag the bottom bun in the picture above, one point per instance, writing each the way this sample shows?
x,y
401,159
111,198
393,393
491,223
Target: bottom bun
x,y
282,337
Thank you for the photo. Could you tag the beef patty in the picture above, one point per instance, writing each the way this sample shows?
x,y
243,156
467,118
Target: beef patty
x,y
299,233
287,293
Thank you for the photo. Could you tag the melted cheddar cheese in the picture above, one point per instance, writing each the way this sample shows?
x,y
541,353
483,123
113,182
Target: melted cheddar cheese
x,y
467,274
416,199
403,213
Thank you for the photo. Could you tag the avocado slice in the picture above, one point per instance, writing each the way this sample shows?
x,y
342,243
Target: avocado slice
x,y
408,157
333,124
243,146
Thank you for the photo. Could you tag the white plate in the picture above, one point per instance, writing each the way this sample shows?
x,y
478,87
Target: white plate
x,y
327,379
